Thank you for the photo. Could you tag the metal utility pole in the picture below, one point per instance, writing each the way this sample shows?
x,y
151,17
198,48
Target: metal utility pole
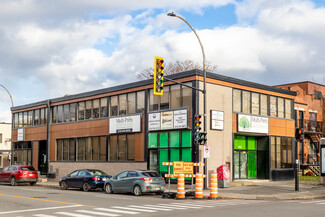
x,y
172,14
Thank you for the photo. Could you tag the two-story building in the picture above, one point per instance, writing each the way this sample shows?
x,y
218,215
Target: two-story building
x,y
250,128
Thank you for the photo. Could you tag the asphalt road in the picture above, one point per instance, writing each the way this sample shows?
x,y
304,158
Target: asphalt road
x,y
25,200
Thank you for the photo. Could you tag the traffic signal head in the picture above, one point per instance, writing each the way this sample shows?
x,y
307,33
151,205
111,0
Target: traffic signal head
x,y
158,76
202,138
300,134
197,123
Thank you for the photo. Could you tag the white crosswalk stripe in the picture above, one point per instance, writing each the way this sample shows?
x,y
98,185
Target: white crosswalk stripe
x,y
314,201
133,209
97,213
72,214
43,215
117,211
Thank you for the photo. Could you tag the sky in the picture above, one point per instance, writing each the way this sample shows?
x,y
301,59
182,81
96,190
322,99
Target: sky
x,y
52,48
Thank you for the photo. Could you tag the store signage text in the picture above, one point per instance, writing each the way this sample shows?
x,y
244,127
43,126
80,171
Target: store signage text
x,y
217,120
168,120
20,135
252,124
128,124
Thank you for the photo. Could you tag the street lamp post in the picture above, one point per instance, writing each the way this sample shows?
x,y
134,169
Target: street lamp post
x,y
12,105
12,102
172,14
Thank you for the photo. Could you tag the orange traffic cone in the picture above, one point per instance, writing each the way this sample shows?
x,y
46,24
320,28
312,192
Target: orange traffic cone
x,y
199,186
180,187
214,186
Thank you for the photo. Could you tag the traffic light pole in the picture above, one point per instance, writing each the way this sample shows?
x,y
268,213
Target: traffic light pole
x,y
296,168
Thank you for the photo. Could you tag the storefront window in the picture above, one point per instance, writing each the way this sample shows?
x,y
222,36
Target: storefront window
x,y
122,104
152,140
37,116
65,150
153,101
73,112
278,152
113,106
95,148
175,96
140,101
59,148
130,146
264,105
88,149
103,107
272,152
187,95
88,112
20,119
174,139
113,148
96,108
255,104
163,137
66,110
131,103
236,100
280,107
246,102
273,106
284,152
164,99
30,118
16,120
72,149
81,149
25,119
102,148
288,109
81,110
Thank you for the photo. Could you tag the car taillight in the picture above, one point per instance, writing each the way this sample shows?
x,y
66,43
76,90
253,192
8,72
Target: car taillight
x,y
162,178
96,178
146,179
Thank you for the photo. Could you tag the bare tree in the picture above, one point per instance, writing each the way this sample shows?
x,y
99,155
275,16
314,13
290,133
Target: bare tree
x,y
176,67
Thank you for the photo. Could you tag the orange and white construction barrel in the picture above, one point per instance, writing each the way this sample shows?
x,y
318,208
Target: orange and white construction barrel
x,y
214,186
199,186
180,187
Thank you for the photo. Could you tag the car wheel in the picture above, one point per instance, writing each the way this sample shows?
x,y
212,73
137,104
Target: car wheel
x,y
64,185
32,183
86,187
13,181
137,190
108,189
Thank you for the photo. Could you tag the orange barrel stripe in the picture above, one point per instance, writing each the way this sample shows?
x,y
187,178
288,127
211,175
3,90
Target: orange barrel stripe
x,y
180,187
199,186
214,186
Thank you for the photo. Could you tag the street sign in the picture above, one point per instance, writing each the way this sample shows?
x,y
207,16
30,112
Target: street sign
x,y
206,151
178,168
188,167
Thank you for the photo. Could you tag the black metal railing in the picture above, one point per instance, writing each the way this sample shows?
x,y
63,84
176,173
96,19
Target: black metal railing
x,y
313,126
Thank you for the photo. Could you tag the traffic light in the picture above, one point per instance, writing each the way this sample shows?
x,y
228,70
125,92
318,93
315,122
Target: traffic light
x,y
300,134
200,138
158,83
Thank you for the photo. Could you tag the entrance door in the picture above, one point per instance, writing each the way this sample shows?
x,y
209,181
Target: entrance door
x,y
42,157
240,164
153,160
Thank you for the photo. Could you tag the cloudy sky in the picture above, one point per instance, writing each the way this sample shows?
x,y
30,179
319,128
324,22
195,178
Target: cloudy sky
x,y
51,48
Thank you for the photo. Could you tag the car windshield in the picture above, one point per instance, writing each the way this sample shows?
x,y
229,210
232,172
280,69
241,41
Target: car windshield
x,y
27,168
97,173
150,174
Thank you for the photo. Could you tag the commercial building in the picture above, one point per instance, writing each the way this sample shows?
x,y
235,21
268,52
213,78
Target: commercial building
x,y
5,144
309,115
250,127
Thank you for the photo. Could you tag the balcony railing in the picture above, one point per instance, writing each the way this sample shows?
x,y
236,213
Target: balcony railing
x,y
313,126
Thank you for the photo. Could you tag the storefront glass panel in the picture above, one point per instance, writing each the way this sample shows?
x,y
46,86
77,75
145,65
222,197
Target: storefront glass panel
x,y
163,140
252,164
251,143
240,142
236,164
243,165
152,140
187,139
174,139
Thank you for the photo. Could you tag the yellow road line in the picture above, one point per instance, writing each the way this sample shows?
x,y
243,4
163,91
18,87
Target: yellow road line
x,y
53,201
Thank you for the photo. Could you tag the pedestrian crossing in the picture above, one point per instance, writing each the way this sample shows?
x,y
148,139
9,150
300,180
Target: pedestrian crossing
x,y
114,211
319,202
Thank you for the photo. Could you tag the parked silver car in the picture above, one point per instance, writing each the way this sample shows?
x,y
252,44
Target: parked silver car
x,y
136,182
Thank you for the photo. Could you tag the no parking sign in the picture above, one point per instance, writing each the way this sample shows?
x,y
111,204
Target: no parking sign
x,y
206,151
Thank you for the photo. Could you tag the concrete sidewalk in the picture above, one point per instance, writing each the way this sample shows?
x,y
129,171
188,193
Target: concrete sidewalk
x,y
255,190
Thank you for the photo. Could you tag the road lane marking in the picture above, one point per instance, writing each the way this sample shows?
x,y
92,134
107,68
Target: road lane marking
x,y
133,209
179,205
73,214
169,207
154,208
117,211
43,215
40,199
97,213
39,209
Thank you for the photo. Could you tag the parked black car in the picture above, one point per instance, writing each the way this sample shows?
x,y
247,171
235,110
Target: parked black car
x,y
84,179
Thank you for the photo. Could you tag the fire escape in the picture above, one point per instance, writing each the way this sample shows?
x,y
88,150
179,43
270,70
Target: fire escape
x,y
313,133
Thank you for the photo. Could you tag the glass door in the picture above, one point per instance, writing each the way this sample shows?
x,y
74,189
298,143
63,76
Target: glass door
x,y
153,160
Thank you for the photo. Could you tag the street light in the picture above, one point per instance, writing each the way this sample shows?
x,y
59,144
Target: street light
x,y
12,102
172,14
